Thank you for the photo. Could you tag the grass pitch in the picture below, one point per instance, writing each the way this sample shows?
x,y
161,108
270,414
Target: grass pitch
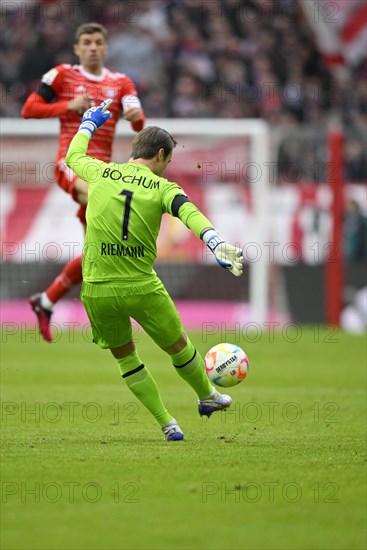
x,y
84,466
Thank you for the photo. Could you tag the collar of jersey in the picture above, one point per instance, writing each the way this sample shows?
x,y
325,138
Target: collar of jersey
x,y
141,166
91,76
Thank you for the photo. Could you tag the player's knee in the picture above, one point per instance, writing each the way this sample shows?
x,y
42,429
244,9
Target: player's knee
x,y
186,355
123,351
177,346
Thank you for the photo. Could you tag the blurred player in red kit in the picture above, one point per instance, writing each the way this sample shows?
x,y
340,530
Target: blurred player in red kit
x,y
66,92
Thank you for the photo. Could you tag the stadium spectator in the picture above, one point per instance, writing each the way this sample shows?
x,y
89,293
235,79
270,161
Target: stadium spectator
x,y
355,160
134,51
355,233
66,92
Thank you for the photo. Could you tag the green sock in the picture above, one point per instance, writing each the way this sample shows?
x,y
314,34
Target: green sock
x,y
190,366
144,387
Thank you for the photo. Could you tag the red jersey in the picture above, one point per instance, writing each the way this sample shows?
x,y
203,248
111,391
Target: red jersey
x,y
64,83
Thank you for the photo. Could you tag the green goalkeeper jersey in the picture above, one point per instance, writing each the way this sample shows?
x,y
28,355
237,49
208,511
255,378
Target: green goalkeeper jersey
x,y
125,207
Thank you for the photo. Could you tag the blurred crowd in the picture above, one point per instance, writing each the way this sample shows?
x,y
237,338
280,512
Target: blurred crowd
x,y
195,59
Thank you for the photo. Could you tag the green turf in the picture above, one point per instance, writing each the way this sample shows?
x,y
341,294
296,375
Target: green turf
x,y
85,467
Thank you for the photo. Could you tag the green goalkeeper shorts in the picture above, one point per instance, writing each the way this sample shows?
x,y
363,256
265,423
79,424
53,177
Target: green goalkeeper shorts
x,y
110,315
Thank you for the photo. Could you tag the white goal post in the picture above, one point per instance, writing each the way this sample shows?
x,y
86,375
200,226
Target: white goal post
x,y
255,130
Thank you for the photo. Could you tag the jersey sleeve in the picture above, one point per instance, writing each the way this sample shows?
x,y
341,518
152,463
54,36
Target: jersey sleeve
x,y
37,107
86,168
38,104
55,78
195,220
169,190
129,95
188,213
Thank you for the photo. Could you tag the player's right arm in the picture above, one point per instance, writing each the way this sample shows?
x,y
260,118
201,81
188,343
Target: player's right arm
x,y
44,102
87,168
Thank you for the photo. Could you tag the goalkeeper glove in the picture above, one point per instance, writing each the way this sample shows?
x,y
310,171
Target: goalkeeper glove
x,y
228,256
94,118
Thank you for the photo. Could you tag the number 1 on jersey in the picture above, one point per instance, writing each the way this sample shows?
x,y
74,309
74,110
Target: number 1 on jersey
x,y
126,218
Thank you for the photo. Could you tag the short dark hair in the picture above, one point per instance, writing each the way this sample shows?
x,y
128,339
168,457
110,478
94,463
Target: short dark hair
x,y
90,28
148,142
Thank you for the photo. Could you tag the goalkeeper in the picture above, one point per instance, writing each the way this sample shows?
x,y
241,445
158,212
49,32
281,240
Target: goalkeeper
x,y
125,208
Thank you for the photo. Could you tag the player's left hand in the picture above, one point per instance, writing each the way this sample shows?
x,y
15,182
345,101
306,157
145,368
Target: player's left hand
x,y
133,114
228,256
94,118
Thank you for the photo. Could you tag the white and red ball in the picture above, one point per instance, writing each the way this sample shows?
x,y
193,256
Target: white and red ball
x,y
226,365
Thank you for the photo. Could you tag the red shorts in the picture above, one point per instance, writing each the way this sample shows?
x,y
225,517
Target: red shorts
x,y
66,180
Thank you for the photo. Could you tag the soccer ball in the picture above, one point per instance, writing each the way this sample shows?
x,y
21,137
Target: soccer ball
x,y
226,365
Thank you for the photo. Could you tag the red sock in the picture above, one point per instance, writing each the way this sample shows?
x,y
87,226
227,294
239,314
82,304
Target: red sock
x,y
70,276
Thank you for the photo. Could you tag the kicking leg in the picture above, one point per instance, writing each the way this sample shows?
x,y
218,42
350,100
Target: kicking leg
x,y
189,365
158,316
